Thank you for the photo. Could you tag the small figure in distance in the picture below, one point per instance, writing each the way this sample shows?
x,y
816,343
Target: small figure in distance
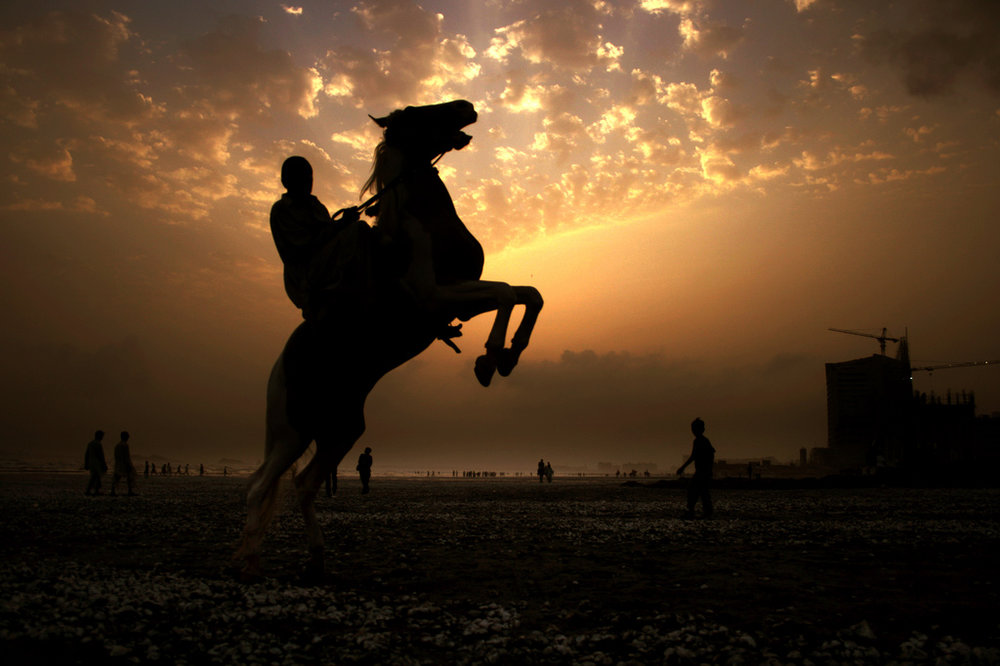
x,y
541,470
331,483
123,466
364,468
548,472
94,462
703,457
201,469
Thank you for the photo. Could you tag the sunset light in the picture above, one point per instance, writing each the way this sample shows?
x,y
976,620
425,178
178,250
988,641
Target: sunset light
x,y
699,189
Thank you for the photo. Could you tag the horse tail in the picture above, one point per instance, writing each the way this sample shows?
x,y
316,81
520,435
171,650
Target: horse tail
x,y
282,446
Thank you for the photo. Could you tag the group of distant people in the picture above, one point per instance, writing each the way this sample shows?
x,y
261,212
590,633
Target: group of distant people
x,y
97,465
166,470
545,471
702,455
698,489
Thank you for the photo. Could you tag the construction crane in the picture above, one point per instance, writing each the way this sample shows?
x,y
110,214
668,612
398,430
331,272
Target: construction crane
x,y
881,338
944,366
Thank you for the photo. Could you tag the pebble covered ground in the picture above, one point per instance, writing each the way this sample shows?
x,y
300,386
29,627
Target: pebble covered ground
x,y
500,571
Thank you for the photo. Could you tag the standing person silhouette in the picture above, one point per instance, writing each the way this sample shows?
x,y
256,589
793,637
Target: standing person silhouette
x,y
365,469
124,469
703,457
541,470
94,462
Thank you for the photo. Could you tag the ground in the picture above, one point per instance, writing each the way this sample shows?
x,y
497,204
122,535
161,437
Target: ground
x,y
500,570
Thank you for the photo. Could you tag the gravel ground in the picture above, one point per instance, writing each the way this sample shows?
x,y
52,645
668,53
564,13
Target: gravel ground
x,y
500,571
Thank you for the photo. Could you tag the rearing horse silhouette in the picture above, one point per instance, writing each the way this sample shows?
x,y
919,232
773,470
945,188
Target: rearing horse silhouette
x,y
426,270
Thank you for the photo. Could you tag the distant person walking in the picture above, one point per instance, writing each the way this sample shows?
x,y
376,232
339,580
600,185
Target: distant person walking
x,y
703,457
331,483
364,468
145,471
548,472
124,469
94,462
541,471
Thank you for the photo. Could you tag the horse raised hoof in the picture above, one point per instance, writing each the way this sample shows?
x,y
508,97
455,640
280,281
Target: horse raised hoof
x,y
506,361
486,365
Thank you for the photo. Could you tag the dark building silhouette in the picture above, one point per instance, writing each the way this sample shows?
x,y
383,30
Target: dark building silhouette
x,y
868,402
875,421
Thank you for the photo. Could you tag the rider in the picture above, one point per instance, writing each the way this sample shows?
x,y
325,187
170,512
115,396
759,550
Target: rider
x,y
318,272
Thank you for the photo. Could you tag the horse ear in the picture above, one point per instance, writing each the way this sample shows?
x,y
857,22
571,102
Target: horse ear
x,y
381,122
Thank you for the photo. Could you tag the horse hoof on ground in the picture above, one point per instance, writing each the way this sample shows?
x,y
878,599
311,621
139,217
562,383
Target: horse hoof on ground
x,y
249,572
247,575
486,365
313,574
507,360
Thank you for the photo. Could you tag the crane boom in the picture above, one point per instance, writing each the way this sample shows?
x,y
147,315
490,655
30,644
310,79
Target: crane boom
x,y
945,366
881,338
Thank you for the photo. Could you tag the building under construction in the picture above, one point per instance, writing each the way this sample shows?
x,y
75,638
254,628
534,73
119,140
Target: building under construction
x,y
876,421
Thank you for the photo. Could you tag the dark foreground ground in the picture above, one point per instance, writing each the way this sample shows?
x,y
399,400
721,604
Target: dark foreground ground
x,y
502,571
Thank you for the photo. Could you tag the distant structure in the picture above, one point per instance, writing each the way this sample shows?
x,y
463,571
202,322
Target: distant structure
x,y
876,421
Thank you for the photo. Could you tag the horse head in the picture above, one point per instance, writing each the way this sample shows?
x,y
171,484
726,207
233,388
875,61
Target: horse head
x,y
424,132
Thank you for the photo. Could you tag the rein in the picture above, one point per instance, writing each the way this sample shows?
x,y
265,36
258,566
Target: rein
x,y
353,213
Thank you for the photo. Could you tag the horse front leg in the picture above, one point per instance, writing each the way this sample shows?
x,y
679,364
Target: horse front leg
x,y
503,298
532,301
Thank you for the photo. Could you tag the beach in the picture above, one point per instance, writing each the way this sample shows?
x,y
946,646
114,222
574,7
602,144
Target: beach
x,y
505,570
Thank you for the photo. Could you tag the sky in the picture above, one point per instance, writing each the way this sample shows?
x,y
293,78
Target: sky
x,y
699,189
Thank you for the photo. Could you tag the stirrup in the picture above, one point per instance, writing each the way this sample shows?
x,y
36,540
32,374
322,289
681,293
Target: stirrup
x,y
450,332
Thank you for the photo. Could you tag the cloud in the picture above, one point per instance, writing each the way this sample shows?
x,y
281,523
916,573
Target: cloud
x,y
566,35
954,42
227,75
562,135
414,61
52,162
709,38
585,403
70,61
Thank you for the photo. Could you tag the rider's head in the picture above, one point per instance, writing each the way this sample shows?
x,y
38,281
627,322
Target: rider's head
x,y
297,175
698,427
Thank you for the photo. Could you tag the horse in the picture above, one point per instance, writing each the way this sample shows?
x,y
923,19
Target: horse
x,y
426,270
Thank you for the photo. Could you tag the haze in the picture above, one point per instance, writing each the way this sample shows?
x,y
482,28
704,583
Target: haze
x,y
699,189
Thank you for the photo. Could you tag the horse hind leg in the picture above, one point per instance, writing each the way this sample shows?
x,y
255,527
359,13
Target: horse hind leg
x,y
262,499
329,453
284,444
532,301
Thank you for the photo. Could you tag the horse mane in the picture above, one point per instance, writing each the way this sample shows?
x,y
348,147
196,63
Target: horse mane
x,y
387,164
